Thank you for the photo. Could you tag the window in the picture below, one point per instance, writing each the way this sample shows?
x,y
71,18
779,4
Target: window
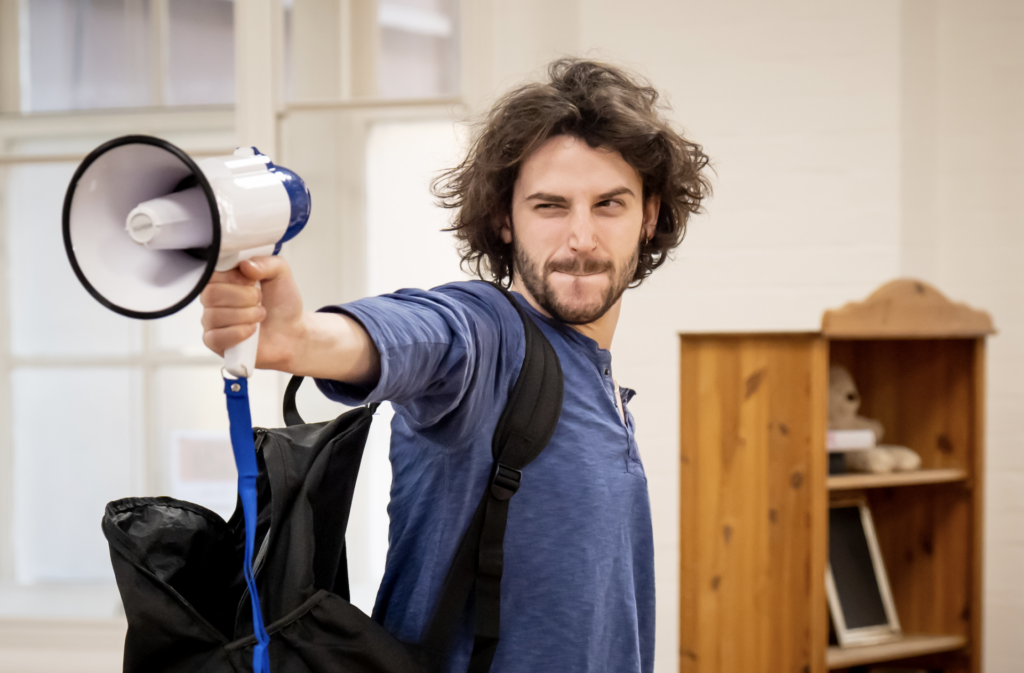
x,y
87,54
103,407
99,407
419,55
383,50
199,66
406,246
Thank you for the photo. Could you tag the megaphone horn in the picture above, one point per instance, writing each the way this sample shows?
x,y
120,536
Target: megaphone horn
x,y
145,226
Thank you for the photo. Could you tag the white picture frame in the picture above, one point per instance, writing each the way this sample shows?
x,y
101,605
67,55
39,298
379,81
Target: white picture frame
x,y
860,633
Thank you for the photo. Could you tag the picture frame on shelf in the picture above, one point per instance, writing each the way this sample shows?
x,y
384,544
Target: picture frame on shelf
x,y
859,596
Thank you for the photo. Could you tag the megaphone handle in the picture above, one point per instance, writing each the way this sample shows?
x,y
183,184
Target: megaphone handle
x,y
240,360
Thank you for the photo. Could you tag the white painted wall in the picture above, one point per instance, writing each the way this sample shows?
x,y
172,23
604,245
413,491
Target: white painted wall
x,y
798,106
853,143
963,230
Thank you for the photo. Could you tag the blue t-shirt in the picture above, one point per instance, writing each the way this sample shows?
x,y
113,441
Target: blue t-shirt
x,y
577,592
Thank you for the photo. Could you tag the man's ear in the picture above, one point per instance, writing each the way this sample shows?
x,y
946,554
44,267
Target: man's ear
x,y
506,230
652,207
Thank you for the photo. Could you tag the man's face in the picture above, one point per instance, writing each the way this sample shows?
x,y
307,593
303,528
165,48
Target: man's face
x,y
578,219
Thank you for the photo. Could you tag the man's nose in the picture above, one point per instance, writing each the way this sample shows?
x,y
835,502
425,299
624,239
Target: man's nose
x,y
582,230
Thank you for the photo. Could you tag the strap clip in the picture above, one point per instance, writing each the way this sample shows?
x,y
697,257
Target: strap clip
x,y
505,481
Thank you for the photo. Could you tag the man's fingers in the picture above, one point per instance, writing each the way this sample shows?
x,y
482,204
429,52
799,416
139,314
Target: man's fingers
x,y
219,340
264,268
233,304
231,277
226,295
217,318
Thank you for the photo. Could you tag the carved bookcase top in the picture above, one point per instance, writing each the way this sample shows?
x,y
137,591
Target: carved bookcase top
x,y
906,308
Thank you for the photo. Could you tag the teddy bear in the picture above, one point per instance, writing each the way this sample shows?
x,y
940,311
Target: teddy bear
x,y
843,405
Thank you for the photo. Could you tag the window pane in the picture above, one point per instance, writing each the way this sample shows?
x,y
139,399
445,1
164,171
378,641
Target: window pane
x,y
201,52
87,54
406,246
190,407
109,53
182,332
419,48
202,469
77,446
51,313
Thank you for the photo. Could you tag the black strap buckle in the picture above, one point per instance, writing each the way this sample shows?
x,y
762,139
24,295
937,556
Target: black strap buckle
x,y
505,481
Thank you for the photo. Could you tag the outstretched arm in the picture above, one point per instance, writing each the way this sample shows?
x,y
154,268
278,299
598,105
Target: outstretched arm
x,y
321,345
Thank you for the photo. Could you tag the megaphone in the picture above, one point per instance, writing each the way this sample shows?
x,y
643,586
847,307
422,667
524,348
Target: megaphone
x,y
145,226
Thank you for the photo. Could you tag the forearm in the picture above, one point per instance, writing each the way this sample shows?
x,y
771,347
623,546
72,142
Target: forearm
x,y
334,346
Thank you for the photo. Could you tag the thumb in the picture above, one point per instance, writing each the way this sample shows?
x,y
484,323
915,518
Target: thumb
x,y
264,268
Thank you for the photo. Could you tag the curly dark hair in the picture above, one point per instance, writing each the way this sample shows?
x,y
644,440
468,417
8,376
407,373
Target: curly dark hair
x,y
607,108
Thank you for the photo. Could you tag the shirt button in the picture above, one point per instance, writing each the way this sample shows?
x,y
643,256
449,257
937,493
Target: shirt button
x,y
607,371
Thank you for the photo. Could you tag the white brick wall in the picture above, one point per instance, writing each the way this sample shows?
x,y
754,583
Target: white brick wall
x,y
964,231
798,105
853,143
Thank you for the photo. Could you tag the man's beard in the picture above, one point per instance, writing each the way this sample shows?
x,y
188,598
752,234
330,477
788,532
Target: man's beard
x,y
539,284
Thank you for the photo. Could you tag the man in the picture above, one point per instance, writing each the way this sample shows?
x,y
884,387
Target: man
x,y
574,189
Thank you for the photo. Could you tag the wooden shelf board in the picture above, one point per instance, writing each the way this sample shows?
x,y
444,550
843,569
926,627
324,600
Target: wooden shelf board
x,y
842,482
907,646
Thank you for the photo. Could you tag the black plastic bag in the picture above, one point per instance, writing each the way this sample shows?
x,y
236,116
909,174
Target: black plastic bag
x,y
178,567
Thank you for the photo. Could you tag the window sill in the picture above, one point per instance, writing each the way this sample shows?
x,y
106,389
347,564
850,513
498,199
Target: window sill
x,y
60,645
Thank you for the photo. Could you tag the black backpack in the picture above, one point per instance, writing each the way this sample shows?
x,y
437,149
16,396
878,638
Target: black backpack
x,y
179,566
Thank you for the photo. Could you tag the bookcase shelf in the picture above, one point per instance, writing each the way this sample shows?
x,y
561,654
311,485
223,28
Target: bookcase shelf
x,y
847,482
904,648
755,489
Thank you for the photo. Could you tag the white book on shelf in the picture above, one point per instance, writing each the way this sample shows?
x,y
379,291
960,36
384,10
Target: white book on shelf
x,y
850,440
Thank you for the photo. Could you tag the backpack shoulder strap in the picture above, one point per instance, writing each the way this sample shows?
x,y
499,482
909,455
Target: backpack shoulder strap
x,y
524,429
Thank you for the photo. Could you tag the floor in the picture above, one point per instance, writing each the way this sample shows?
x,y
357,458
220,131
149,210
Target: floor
x,y
70,646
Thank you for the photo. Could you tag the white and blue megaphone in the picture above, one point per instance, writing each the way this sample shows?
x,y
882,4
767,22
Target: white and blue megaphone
x,y
145,226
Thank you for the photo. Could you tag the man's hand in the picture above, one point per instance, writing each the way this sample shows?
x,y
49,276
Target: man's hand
x,y
233,305
323,345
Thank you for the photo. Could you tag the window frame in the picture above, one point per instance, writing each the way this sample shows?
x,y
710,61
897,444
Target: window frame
x,y
15,128
272,122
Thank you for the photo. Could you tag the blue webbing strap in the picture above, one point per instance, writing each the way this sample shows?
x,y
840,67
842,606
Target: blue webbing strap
x,y
237,392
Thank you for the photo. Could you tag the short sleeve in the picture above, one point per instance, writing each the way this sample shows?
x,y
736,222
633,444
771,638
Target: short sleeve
x,y
444,352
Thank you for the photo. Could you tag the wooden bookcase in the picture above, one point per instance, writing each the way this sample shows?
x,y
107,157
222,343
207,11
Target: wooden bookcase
x,y
755,492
